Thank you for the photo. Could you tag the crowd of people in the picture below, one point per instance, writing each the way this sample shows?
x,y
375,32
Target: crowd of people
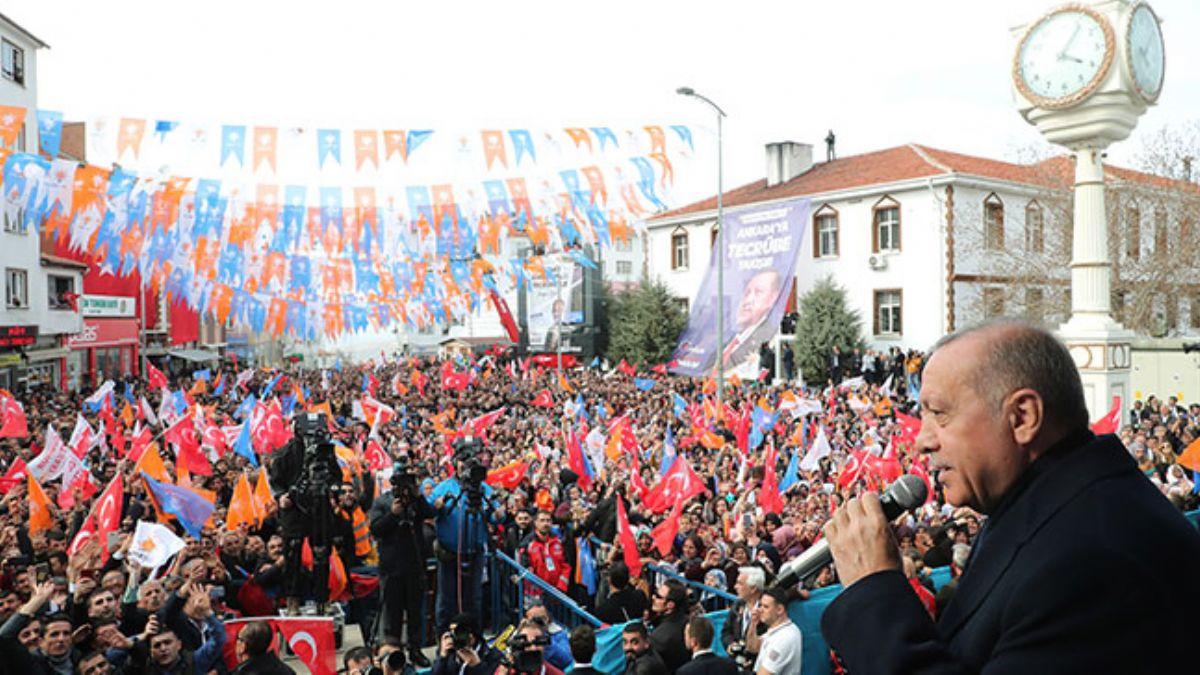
x,y
576,466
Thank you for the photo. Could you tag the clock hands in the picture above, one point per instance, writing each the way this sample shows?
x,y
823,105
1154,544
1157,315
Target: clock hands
x,y
1063,52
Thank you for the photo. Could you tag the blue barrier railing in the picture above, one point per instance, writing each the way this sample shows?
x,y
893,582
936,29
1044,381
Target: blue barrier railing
x,y
512,583
711,599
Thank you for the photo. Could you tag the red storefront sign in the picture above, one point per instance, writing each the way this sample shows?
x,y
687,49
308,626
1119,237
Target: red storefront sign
x,y
105,333
18,336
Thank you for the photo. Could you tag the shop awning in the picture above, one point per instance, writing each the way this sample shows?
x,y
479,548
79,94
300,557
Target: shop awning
x,y
195,355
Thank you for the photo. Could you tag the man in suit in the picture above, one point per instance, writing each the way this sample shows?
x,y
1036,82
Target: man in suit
x,y
1070,522
699,638
583,649
670,609
749,588
640,657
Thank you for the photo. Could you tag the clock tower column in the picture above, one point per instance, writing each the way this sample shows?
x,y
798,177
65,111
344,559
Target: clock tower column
x,y
1083,75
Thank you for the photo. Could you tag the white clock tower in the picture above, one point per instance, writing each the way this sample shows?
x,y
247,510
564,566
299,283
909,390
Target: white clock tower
x,y
1083,75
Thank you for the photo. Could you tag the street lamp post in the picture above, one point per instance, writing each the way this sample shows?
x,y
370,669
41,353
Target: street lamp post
x,y
688,91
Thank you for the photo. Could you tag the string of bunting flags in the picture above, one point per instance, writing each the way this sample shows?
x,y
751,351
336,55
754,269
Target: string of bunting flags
x,y
306,243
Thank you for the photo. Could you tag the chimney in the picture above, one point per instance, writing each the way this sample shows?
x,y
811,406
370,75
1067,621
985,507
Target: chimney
x,y
786,160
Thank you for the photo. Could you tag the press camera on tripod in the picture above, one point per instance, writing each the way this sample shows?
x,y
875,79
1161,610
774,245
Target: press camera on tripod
x,y
468,453
317,478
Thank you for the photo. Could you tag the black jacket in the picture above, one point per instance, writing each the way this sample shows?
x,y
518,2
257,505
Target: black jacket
x,y
626,604
1080,569
263,664
667,640
708,664
399,539
649,663
489,661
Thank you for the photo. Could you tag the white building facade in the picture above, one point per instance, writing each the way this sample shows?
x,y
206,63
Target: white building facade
x,y
925,241
41,292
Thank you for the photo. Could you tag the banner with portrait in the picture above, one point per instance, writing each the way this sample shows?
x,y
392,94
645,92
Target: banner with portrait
x,y
554,307
761,249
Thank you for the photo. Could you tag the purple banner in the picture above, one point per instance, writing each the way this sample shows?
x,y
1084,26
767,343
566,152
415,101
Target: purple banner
x,y
761,250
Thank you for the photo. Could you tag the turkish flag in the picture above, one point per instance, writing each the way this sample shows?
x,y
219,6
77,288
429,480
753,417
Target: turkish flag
x,y
769,497
480,425
508,476
506,317
155,377
375,456
851,469
104,517
679,485
918,469
12,418
624,367
311,640
665,532
909,428
628,544
1111,422
543,399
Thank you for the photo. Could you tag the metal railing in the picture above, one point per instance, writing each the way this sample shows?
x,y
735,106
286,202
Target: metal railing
x,y
512,583
711,599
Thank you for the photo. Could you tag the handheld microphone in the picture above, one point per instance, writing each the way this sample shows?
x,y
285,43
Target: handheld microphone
x,y
908,492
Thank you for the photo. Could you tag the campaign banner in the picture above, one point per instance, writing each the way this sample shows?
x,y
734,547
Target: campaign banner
x,y
761,249
554,306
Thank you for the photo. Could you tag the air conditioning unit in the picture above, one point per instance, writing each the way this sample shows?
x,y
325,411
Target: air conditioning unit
x,y
877,262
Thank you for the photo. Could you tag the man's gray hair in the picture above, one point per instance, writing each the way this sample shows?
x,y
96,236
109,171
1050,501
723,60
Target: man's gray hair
x,y
756,578
1023,356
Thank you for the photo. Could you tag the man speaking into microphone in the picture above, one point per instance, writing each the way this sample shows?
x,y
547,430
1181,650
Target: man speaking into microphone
x,y
1082,565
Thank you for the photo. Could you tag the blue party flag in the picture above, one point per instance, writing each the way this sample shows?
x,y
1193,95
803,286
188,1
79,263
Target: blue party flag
x,y
643,384
669,453
189,508
680,405
243,445
792,475
204,375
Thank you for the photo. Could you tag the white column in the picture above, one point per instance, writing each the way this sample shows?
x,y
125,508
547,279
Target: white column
x,y
1099,345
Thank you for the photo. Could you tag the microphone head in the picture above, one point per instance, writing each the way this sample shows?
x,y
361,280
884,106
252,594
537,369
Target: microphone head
x,y
908,492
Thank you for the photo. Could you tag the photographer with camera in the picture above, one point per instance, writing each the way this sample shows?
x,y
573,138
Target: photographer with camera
x,y
462,651
305,474
387,660
465,508
396,524
527,652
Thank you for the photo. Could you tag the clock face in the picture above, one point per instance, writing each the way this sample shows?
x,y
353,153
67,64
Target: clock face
x,y
1063,57
1144,52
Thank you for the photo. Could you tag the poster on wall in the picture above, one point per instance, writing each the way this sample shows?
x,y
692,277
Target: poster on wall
x,y
760,262
554,308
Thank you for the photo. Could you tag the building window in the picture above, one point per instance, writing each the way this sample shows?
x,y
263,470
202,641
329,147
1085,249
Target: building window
x,y
1133,233
683,304
679,249
61,290
1160,233
1035,228
624,267
1170,311
16,288
885,235
1118,300
13,59
1035,305
993,220
1195,311
888,312
624,245
993,302
825,232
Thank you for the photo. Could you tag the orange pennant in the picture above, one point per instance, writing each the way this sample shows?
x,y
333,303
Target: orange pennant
x,y
366,147
394,143
151,464
265,142
241,506
580,137
658,140
493,148
263,498
39,508
12,120
129,136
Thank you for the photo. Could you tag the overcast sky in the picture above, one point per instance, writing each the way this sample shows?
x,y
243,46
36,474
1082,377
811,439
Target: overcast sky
x,y
879,73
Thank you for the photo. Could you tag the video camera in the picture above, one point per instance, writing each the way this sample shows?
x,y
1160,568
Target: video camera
x,y
521,656
316,478
468,452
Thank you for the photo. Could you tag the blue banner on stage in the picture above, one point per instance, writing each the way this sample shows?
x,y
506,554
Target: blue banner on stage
x,y
761,250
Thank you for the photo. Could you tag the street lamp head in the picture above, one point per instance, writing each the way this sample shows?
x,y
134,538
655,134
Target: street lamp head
x,y
685,91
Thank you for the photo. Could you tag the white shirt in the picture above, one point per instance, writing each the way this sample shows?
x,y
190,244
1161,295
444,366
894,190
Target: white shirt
x,y
781,650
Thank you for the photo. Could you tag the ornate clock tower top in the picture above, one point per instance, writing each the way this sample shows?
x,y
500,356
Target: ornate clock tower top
x,y
1084,74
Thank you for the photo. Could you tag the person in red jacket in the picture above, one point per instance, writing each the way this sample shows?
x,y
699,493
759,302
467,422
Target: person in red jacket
x,y
544,554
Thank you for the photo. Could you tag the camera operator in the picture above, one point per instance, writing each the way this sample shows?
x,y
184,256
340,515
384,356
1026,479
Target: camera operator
x,y
461,650
387,660
464,509
396,524
305,473
527,651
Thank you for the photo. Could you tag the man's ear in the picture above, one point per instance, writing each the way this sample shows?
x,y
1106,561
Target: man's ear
x,y
1025,413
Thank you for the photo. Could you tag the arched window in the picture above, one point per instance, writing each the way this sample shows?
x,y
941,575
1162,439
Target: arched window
x,y
1035,227
679,249
1133,232
825,232
885,229
993,222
